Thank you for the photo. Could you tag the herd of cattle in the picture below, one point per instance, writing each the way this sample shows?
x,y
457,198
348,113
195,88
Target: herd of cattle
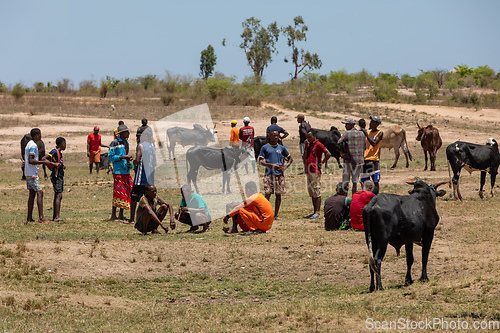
x,y
388,218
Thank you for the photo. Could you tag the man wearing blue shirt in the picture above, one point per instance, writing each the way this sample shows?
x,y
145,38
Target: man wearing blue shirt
x,y
271,156
282,133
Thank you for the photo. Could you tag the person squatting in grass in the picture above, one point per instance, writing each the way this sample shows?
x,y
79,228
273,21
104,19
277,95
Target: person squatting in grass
x,y
337,209
31,163
122,182
313,161
151,212
57,176
254,215
271,156
359,200
144,163
371,166
94,150
193,210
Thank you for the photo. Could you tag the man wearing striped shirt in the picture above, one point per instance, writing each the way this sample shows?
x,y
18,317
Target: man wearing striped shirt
x,y
353,161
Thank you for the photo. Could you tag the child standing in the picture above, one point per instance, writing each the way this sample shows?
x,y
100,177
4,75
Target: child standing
x,y
31,163
57,176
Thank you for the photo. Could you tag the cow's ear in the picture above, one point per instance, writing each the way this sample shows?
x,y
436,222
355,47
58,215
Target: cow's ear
x,y
440,193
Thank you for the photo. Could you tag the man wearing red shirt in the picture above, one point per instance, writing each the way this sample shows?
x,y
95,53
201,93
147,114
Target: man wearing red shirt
x,y
94,150
246,136
359,200
312,161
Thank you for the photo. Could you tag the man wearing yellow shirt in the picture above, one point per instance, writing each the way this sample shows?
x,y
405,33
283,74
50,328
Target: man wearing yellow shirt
x,y
234,141
371,166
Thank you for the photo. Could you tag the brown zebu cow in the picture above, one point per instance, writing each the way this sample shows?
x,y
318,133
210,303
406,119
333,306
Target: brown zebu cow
x,y
431,141
395,138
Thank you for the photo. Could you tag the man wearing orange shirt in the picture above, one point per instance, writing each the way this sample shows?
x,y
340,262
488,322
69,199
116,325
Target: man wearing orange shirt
x,y
255,214
234,141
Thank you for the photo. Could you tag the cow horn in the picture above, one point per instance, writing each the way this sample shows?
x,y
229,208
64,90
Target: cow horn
x,y
419,127
410,183
440,183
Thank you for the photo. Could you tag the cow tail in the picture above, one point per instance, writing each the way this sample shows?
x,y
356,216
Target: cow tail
x,y
406,146
367,225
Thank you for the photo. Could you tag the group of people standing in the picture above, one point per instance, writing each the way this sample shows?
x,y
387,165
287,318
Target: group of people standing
x,y
361,164
361,155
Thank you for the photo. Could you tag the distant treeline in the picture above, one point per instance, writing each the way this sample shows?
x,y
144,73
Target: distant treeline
x,y
433,86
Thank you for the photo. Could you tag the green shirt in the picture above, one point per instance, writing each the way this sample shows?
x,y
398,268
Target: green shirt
x,y
196,202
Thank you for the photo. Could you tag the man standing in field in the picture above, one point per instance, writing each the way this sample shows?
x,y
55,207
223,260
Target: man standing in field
x,y
122,186
31,163
247,133
94,150
371,166
57,176
313,161
145,163
234,140
303,128
271,156
275,127
353,161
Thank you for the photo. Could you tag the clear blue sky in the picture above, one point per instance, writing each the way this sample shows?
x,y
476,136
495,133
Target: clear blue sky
x,y
82,40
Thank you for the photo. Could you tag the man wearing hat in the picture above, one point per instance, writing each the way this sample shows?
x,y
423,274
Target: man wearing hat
x,y
246,136
234,141
122,187
354,160
94,150
303,128
371,166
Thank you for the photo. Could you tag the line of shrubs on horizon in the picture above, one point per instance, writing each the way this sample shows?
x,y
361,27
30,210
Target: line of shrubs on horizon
x,y
445,86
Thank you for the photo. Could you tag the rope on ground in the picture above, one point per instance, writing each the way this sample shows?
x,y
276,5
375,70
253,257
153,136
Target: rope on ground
x,y
449,248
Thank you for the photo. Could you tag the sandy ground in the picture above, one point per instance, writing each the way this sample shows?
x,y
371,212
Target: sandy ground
x,y
76,129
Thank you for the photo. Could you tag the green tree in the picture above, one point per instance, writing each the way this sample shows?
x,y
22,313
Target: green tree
x,y
18,91
301,59
464,70
258,44
483,75
207,62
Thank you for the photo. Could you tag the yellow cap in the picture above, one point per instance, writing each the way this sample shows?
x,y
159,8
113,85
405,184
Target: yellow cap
x,y
234,122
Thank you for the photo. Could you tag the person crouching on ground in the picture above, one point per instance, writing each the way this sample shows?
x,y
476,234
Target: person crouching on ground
x,y
151,212
255,214
193,210
359,200
337,208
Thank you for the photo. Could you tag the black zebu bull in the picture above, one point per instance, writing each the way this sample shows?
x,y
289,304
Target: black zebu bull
x,y
329,140
185,136
258,142
401,220
212,158
41,153
472,157
105,164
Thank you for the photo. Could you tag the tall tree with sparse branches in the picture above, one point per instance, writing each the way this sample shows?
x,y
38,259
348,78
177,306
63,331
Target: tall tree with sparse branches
x,y
259,44
207,62
300,58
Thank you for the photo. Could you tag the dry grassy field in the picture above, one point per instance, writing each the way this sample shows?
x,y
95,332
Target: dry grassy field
x,y
89,274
